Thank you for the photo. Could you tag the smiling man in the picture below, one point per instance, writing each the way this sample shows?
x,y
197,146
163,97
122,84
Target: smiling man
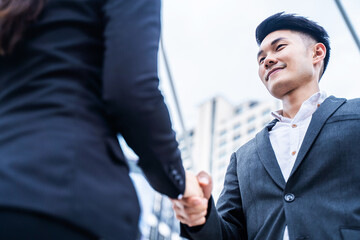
x,y
299,177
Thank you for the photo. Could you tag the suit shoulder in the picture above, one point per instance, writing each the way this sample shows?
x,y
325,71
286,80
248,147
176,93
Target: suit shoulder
x,y
355,101
351,106
347,106
246,149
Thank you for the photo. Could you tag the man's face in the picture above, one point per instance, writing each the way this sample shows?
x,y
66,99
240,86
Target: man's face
x,y
285,62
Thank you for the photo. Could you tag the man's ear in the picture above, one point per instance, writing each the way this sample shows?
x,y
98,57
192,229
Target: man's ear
x,y
319,52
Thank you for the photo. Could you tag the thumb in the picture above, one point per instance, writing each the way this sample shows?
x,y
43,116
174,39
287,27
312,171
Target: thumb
x,y
205,183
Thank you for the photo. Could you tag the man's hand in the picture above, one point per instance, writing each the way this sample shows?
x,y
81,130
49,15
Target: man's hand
x,y
192,186
192,209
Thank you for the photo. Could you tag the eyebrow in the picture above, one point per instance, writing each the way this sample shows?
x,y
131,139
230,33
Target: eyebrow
x,y
272,43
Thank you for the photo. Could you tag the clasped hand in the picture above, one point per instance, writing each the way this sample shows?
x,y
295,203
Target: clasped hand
x,y
191,209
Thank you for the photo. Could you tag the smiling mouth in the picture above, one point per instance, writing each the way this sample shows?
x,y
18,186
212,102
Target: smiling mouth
x,y
273,71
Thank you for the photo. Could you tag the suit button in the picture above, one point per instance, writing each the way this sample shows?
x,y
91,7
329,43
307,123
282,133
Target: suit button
x,y
174,172
289,197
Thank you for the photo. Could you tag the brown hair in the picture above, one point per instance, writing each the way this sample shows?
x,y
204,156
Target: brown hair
x,y
15,15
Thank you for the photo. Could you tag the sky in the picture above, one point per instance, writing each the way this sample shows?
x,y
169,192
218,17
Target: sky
x,y
211,50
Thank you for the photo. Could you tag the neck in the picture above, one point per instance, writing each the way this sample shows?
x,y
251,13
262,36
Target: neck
x,y
293,100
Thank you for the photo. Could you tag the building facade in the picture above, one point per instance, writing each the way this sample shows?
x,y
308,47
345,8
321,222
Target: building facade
x,y
220,130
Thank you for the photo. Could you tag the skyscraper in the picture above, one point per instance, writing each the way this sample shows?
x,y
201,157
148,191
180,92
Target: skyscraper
x,y
220,130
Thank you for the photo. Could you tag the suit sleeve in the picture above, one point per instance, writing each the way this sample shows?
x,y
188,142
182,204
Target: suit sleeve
x,y
226,221
132,98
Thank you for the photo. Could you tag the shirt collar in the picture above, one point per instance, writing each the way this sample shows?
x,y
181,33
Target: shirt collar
x,y
307,108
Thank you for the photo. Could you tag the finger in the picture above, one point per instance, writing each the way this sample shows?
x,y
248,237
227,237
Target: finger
x,y
190,214
188,202
193,220
178,206
195,217
192,187
181,215
186,212
180,218
205,182
203,178
195,209
175,207
194,202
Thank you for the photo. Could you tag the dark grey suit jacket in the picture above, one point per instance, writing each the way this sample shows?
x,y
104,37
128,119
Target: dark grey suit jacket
x,y
320,200
83,73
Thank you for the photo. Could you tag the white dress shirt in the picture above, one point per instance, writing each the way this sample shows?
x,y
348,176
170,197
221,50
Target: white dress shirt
x,y
288,134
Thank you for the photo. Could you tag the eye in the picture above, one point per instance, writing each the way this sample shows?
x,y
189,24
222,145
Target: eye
x,y
280,47
261,60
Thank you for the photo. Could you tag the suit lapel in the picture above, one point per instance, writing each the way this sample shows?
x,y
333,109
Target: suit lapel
x,y
327,108
267,155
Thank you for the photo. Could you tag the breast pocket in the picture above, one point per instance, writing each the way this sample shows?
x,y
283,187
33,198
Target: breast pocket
x,y
351,233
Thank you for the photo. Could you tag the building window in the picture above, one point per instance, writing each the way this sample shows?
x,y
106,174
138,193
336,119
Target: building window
x,y
251,119
222,154
251,130
223,132
191,133
266,112
253,104
237,137
238,110
222,143
237,125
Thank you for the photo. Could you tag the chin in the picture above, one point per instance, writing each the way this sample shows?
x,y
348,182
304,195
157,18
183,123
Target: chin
x,y
279,89
277,95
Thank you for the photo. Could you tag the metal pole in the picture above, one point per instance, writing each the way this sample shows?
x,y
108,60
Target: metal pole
x,y
178,109
348,23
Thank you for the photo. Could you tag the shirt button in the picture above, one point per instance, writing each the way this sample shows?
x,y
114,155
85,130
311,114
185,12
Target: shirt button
x,y
293,153
318,105
289,197
294,126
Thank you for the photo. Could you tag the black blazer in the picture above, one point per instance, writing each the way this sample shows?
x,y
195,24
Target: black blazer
x,y
320,200
84,72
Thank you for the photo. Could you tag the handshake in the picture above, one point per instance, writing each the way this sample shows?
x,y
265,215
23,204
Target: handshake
x,y
191,209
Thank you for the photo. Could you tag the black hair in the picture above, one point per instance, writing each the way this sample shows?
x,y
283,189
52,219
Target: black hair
x,y
281,21
15,16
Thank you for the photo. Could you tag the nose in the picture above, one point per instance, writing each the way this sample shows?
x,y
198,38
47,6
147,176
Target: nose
x,y
270,61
